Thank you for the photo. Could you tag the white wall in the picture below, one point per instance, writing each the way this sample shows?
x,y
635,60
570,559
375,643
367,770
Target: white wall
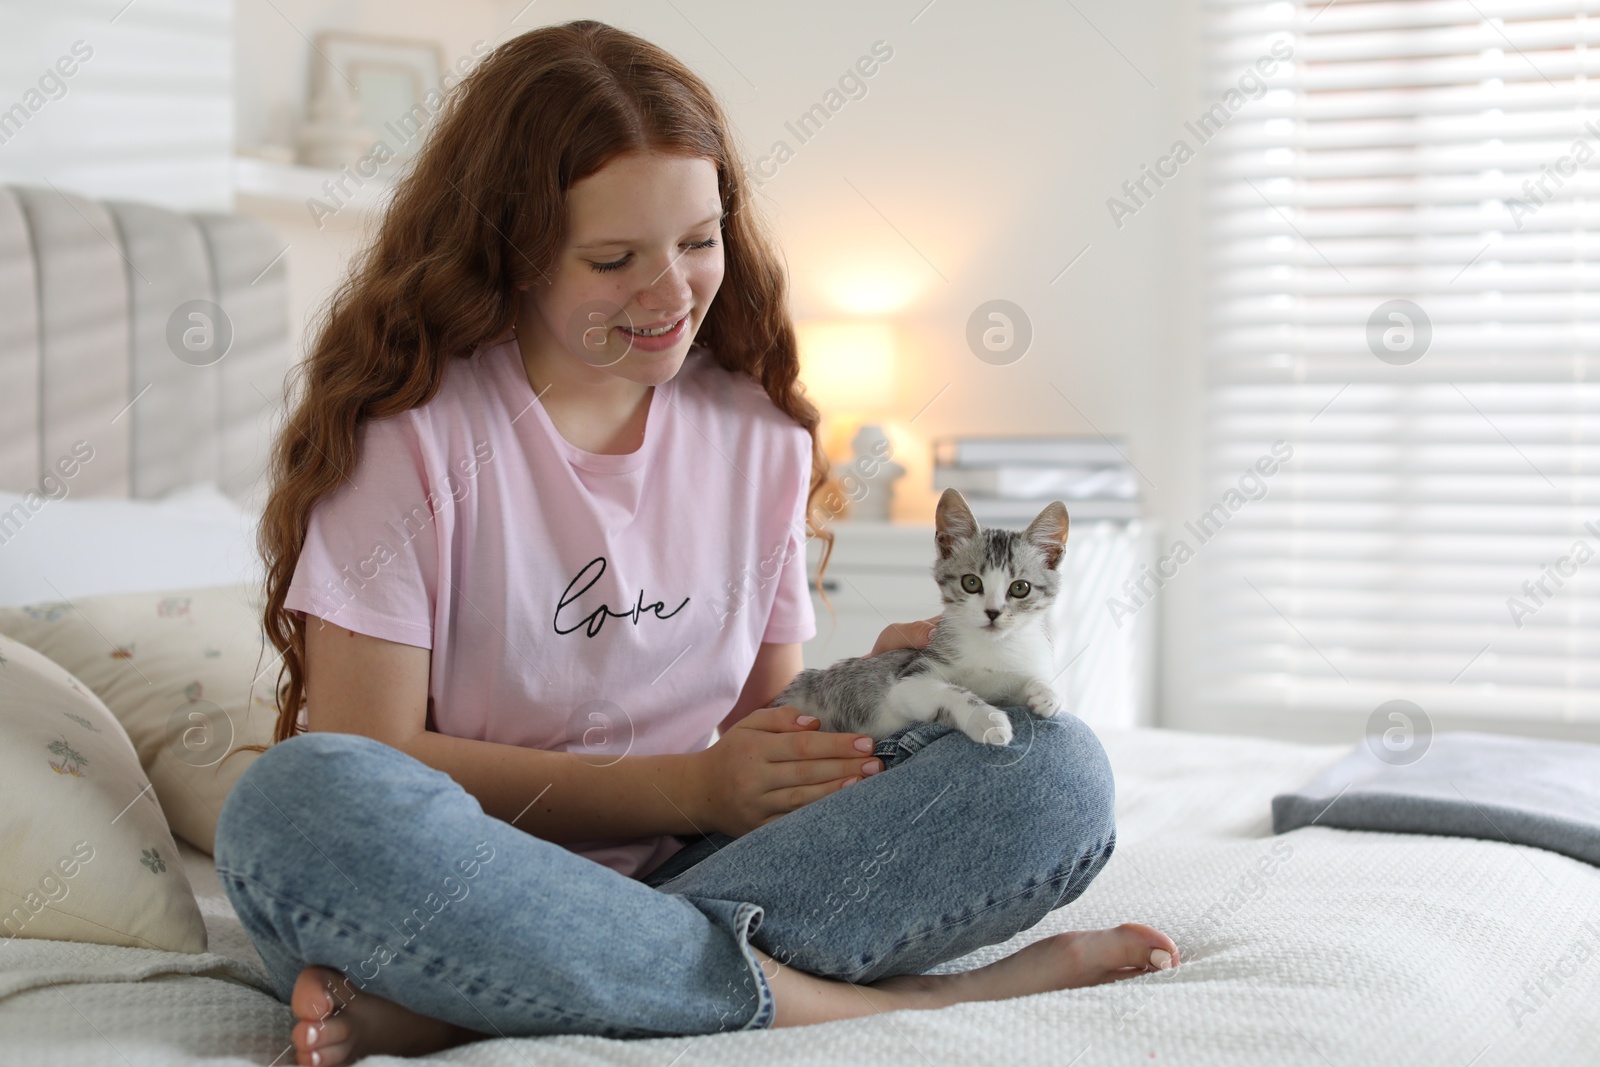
x,y
272,49
990,141
119,102
977,166
272,54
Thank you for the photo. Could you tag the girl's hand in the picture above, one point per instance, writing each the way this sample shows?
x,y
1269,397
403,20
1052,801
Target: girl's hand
x,y
905,635
767,765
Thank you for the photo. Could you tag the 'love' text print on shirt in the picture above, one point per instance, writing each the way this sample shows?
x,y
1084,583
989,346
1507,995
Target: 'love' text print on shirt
x,y
597,618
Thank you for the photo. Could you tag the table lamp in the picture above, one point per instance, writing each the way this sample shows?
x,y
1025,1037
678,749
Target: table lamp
x,y
848,368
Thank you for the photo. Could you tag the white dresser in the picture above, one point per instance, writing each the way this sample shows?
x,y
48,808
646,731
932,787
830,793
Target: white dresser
x,y
882,572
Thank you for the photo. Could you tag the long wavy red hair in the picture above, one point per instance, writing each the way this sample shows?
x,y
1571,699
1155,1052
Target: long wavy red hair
x,y
481,212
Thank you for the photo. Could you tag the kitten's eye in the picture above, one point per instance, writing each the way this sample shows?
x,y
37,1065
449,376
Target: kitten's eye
x,y
1020,588
972,583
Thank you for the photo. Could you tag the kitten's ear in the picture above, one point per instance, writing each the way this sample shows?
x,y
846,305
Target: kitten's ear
x,y
953,522
1049,532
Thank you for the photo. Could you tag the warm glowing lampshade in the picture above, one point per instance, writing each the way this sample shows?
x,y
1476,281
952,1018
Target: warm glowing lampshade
x,y
847,365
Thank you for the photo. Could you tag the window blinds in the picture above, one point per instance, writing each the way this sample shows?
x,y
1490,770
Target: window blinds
x,y
119,99
1401,291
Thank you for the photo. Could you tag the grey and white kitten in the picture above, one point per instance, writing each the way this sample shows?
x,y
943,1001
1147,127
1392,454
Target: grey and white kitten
x,y
991,647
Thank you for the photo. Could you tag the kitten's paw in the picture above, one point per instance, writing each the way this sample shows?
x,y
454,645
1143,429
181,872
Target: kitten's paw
x,y
1043,699
988,727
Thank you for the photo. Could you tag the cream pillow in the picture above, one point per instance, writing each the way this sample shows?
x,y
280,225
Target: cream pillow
x,y
176,668
85,854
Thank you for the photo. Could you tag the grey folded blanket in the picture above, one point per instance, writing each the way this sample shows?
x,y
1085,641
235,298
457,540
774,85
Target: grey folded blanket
x,y
1517,789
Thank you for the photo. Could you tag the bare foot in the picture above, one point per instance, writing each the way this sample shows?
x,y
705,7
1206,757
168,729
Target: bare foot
x,y
337,1023
1064,961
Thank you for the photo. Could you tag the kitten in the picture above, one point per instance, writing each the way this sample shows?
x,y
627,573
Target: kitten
x,y
991,647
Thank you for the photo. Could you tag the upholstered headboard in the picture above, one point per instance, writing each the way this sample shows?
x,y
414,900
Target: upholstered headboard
x,y
100,343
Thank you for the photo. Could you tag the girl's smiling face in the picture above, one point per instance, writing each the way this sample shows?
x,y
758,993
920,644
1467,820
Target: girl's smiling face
x,y
643,253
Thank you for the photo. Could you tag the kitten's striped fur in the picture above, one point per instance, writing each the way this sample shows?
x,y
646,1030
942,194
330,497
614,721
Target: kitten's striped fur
x,y
972,664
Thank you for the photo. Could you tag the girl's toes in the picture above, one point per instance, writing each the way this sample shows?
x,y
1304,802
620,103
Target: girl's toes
x,y
1146,947
313,996
310,1035
329,1055
1121,952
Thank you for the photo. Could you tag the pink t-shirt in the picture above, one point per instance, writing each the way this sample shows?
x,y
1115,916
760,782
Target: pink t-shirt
x,y
577,602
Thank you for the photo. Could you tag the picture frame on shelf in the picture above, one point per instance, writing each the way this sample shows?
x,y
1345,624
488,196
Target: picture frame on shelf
x,y
366,89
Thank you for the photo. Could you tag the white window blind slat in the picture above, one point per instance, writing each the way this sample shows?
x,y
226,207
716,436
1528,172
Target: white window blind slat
x,y
147,112
1436,534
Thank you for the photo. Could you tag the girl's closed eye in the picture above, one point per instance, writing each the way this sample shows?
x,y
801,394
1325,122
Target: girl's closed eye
x,y
618,264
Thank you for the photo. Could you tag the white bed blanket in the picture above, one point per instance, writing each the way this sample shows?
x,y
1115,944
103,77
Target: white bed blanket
x,y
1353,949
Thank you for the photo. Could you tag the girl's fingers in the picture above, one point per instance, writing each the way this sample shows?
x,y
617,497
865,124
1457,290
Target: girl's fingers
x,y
784,717
801,795
819,771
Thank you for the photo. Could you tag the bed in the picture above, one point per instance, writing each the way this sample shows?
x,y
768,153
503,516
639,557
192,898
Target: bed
x,y
1316,946
1357,948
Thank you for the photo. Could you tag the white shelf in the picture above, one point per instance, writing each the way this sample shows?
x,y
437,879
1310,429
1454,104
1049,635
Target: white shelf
x,y
289,184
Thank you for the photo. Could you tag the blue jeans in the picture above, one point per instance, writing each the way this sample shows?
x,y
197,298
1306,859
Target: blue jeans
x,y
341,851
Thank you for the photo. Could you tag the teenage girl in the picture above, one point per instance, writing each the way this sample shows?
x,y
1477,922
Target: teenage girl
x,y
537,527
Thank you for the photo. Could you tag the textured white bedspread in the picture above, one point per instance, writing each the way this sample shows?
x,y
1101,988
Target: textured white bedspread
x,y
1352,949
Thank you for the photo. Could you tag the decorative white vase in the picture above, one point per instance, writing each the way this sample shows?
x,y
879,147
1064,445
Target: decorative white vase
x,y
336,136
872,467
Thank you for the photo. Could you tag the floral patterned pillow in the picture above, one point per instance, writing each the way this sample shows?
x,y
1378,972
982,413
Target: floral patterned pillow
x,y
187,672
84,848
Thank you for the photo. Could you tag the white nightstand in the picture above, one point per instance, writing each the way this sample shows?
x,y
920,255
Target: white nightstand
x,y
881,572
